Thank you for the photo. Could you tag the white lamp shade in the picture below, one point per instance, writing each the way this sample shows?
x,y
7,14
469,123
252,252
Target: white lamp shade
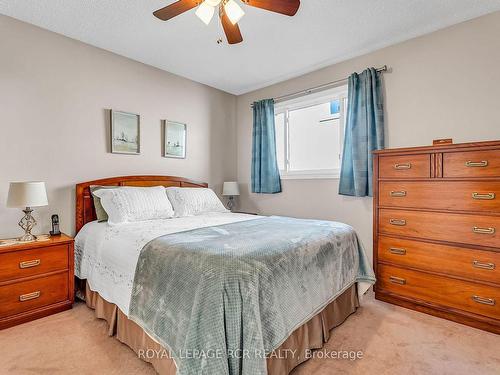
x,y
230,188
205,12
233,11
27,194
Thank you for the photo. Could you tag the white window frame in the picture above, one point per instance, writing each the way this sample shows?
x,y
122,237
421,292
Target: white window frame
x,y
305,102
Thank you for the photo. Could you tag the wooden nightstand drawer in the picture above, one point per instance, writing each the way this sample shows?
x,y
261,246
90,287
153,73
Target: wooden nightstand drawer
x,y
471,164
28,295
456,261
19,264
475,298
406,166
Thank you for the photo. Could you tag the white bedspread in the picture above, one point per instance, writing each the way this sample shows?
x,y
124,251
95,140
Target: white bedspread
x,y
107,255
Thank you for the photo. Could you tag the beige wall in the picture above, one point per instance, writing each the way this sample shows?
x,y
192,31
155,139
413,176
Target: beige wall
x,y
444,84
53,96
54,92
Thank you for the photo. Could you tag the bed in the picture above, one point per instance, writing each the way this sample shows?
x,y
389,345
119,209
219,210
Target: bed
x,y
157,281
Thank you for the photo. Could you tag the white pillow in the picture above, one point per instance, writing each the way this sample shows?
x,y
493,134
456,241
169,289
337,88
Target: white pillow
x,y
128,204
194,201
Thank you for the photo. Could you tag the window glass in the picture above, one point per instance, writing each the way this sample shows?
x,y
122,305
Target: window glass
x,y
279,122
314,138
310,134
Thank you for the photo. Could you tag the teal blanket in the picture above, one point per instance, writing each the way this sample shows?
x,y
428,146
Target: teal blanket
x,y
221,298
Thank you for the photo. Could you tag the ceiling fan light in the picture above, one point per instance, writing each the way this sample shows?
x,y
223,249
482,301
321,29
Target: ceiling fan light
x,y
233,11
205,12
213,3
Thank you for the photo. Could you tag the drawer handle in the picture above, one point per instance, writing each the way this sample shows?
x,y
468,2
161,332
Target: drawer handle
x,y
29,296
400,222
487,196
471,164
483,266
402,166
29,263
397,280
483,230
400,193
484,301
397,251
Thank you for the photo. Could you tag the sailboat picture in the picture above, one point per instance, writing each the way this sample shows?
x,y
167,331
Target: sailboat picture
x,y
125,133
175,139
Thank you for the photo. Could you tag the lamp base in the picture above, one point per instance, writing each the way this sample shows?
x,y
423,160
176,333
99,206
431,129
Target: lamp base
x,y
27,238
27,223
231,203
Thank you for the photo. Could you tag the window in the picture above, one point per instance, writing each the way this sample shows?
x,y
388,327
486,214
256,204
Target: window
x,y
310,134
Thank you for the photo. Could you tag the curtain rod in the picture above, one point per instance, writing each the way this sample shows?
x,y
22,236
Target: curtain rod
x,y
318,88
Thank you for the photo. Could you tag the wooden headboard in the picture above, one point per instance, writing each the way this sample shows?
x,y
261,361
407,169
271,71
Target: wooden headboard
x,y
85,211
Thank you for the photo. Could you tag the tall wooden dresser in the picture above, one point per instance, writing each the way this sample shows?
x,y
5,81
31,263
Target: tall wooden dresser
x,y
437,231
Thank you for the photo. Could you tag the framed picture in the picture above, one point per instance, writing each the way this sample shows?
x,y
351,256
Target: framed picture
x,y
175,139
125,133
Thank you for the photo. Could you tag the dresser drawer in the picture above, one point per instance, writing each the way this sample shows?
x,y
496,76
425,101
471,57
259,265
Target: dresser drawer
x,y
447,292
407,166
31,294
468,229
457,261
453,195
18,264
472,164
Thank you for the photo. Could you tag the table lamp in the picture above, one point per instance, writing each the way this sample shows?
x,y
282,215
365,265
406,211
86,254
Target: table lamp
x,y
230,189
27,195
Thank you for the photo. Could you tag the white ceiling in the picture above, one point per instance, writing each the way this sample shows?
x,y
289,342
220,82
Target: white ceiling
x,y
275,47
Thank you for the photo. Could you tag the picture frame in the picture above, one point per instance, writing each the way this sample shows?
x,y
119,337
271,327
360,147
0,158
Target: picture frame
x,y
174,139
125,133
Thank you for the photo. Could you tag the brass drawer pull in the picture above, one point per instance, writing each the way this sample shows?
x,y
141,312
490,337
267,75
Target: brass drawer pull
x,y
402,166
29,263
400,222
483,266
397,280
484,301
487,196
29,296
482,163
483,230
397,251
401,193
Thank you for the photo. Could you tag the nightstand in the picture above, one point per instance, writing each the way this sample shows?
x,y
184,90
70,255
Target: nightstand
x,y
36,279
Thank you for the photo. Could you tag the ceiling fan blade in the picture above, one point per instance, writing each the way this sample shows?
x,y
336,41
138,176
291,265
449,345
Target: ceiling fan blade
x,y
175,9
233,33
286,7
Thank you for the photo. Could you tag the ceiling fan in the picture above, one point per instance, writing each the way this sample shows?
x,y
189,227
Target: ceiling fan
x,y
229,12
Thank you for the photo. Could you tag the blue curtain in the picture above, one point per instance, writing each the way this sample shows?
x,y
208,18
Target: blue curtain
x,y
364,133
265,172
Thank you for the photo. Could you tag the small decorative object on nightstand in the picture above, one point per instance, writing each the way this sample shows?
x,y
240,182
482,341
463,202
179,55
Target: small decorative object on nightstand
x,y
28,195
36,279
231,190
55,226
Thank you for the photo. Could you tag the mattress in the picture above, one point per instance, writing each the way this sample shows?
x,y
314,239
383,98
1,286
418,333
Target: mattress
x,y
106,256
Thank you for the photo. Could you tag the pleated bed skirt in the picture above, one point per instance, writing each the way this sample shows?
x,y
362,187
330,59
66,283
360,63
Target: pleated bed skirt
x,y
309,336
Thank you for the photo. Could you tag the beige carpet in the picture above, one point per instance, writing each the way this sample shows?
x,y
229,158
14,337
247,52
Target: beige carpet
x,y
393,340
